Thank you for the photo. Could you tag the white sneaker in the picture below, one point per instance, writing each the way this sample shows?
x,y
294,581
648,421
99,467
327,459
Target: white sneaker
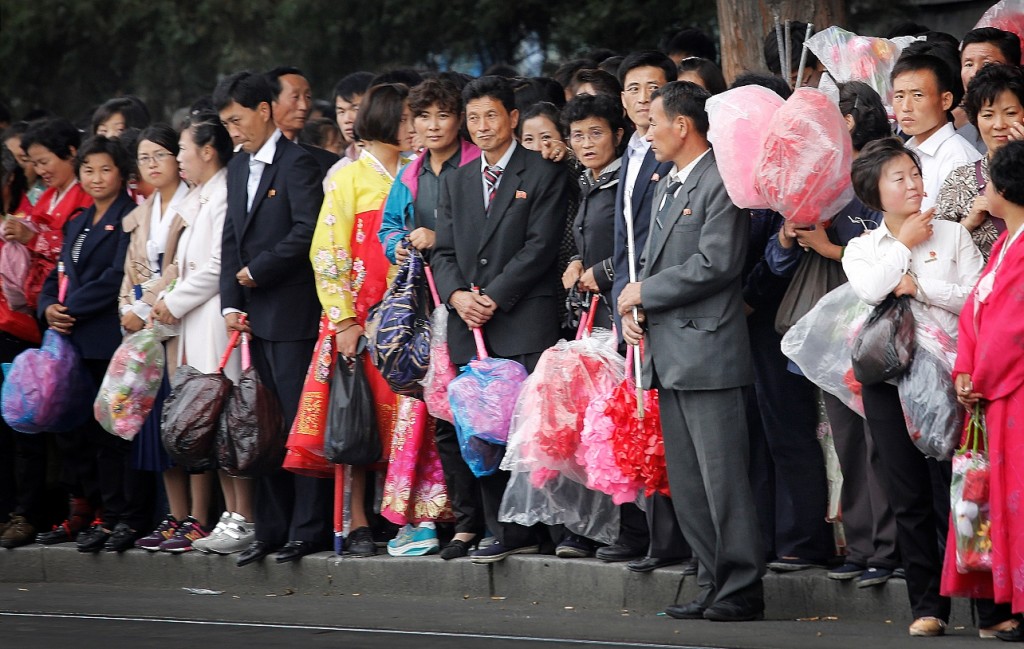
x,y
236,536
200,544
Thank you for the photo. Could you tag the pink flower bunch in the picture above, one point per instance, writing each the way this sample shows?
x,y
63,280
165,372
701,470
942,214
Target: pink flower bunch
x,y
597,454
129,388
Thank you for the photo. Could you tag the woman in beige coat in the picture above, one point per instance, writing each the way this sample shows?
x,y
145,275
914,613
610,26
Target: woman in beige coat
x,y
194,301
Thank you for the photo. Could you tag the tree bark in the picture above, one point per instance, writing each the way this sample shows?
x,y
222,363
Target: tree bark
x,y
744,23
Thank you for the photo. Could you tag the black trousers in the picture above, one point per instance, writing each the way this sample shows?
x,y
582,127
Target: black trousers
x,y
915,488
666,538
22,456
867,518
289,507
790,464
463,487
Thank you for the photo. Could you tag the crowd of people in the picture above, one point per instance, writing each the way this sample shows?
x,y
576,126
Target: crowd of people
x,y
261,213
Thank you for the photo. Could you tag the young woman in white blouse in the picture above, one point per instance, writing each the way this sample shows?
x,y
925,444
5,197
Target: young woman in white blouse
x,y
936,263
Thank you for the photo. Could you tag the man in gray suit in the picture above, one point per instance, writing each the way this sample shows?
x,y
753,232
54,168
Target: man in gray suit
x,y
698,356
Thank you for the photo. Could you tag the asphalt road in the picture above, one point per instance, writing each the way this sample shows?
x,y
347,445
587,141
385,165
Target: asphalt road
x,y
83,617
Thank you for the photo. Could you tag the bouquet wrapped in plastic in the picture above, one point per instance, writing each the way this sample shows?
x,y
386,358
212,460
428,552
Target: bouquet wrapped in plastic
x,y
820,344
637,441
969,499
1007,15
545,433
561,501
849,57
440,371
483,399
131,383
15,260
738,120
596,454
47,389
804,165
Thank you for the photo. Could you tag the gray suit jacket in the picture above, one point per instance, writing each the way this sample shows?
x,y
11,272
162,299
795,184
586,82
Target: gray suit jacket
x,y
691,287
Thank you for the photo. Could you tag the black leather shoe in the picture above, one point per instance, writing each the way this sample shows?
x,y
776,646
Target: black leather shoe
x,y
613,553
295,550
256,551
1015,634
93,539
740,609
647,564
692,611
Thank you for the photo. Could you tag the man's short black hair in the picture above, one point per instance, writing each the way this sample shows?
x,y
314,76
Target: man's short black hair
x,y
797,33
353,84
498,88
647,59
274,77
692,42
248,89
1006,42
380,113
776,84
867,168
990,82
56,134
687,99
1007,171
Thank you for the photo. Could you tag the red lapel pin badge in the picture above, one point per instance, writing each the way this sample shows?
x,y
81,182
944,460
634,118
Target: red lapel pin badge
x,y
272,193
520,193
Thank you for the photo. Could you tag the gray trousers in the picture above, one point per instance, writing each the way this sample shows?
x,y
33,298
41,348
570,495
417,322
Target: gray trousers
x,y
707,453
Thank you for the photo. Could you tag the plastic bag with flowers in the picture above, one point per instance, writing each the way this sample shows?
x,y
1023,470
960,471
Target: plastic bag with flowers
x,y
561,501
820,343
969,498
131,383
849,57
545,433
1007,15
440,370
637,441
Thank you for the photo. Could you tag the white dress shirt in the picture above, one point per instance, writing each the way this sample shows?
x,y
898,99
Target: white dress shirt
x,y
636,151
946,266
257,164
680,176
940,154
501,164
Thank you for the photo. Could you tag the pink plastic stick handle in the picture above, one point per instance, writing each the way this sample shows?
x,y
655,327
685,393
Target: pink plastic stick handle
x,y
481,350
246,358
432,285
62,283
592,312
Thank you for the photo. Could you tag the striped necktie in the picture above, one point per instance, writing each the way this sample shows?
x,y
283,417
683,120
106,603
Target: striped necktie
x,y
491,175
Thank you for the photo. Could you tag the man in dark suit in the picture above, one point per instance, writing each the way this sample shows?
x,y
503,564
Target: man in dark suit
x,y
654,540
274,197
499,225
293,100
690,293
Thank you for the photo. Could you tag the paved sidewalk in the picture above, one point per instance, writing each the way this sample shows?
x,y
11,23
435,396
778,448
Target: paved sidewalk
x,y
584,583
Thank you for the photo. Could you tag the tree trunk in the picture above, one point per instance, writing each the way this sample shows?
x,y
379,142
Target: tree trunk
x,y
744,23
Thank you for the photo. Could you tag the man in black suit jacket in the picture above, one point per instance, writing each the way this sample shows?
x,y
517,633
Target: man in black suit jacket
x,y
293,101
654,540
499,225
274,197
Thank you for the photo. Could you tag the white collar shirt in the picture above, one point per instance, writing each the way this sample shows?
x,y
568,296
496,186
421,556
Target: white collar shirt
x,y
680,176
940,154
636,151
501,164
257,163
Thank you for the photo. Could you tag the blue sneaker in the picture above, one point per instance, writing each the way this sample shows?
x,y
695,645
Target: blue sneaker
x,y
414,542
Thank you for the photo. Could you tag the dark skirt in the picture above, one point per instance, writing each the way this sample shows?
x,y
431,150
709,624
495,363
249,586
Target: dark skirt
x,y
148,452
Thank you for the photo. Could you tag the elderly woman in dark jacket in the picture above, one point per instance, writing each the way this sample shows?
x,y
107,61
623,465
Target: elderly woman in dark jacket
x,y
594,126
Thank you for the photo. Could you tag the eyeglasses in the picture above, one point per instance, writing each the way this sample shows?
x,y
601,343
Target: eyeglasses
x,y
594,135
158,158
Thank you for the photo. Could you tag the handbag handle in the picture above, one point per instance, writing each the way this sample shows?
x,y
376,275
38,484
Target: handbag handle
x,y
432,285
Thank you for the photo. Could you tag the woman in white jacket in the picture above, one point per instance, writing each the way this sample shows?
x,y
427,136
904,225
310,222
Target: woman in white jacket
x,y
194,301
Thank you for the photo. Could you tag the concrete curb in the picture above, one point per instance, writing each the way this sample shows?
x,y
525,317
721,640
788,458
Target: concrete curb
x,y
584,583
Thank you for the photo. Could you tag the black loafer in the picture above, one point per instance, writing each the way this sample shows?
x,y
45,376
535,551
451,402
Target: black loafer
x,y
1015,634
295,550
647,564
614,553
256,551
457,549
93,539
738,610
692,611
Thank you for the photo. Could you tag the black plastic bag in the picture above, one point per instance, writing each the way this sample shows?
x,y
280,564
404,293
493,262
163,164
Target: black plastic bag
x,y
252,436
815,277
352,435
191,416
884,348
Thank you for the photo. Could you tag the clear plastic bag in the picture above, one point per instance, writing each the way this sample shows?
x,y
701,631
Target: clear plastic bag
x,y
15,260
1007,15
849,57
969,499
803,171
128,392
546,426
48,389
561,501
820,343
440,371
738,120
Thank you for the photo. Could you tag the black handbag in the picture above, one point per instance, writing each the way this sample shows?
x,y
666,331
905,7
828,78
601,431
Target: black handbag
x,y
815,277
884,348
352,436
